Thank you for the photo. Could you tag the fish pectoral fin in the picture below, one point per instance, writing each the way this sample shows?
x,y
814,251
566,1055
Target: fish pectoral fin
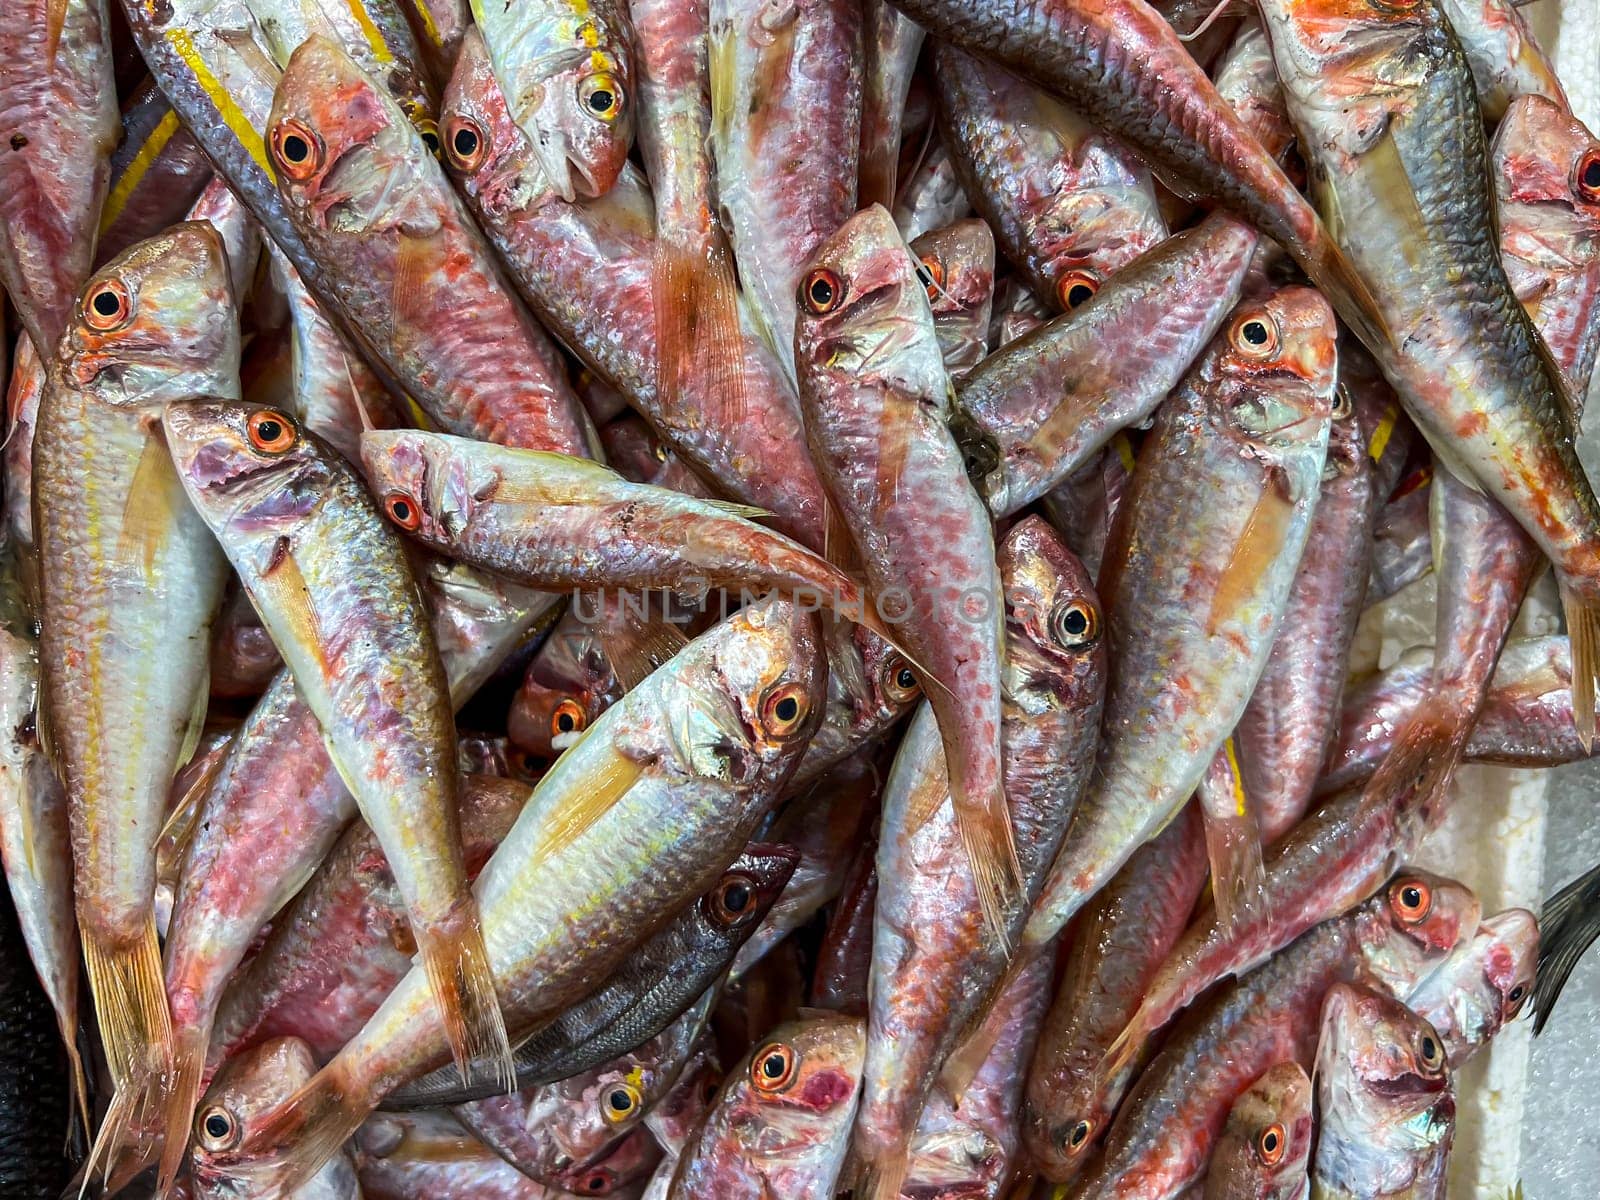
x,y
149,514
605,782
1390,177
636,645
196,724
1262,541
289,596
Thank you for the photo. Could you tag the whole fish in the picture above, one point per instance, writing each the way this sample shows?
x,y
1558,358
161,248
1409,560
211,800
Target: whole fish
x,y
35,1108
1547,189
1402,171
1482,987
1127,72
647,810
876,396
130,583
1121,941
1070,206
1168,1125
35,841
413,272
1506,59
1200,520
157,171
786,96
244,1089
587,269
566,68
959,263
1385,1100
931,196
891,43
934,964
674,972
439,26
1160,313
780,1125
58,117
1266,1144
338,950
568,685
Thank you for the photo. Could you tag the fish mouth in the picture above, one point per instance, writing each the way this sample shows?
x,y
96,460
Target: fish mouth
x,y
1406,1085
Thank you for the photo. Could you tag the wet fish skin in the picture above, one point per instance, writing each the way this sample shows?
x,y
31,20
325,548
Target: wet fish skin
x,y
871,687
1264,1148
1121,941
248,1086
875,394
1174,1115
892,43
932,196
430,1156
157,171
1247,79
58,116
1386,1100
1483,986
1160,312
567,72
781,1121
1506,59
439,26
1070,206
844,960
959,260
587,270
24,392
1164,652
677,1117
686,764
1402,549
413,273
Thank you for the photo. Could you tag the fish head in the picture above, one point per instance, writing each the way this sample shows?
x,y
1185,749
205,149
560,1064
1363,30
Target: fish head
x,y
1056,655
244,1091
957,272
430,485
1418,921
797,1086
251,470
863,312
1347,445
736,903
586,1127
870,686
1333,51
346,157
1509,961
617,1171
484,149
157,323
568,685
1383,1065
1275,367
1267,1140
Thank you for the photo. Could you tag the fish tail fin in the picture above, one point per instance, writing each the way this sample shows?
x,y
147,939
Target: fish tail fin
x,y
1233,842
1570,926
457,964
984,822
300,1136
130,1001
1416,773
1583,632
1336,276
699,344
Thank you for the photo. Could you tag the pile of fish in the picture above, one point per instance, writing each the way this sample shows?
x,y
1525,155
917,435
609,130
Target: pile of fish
x,y
754,599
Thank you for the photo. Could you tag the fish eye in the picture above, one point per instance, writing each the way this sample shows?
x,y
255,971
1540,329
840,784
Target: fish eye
x,y
784,709
1074,625
1412,900
1342,405
734,899
1429,1052
1588,175
930,273
1255,335
464,144
1515,996
297,149
622,1100
900,682
1270,1144
270,431
403,511
601,96
773,1067
1078,1136
108,307
218,1129
430,135
1076,288
821,291
568,717
595,1183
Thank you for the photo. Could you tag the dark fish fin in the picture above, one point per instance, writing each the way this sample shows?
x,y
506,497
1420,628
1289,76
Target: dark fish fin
x,y
1569,926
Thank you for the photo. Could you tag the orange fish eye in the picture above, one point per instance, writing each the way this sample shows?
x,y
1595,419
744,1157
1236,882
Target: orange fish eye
x,y
733,900
784,709
601,96
595,1182
821,291
270,431
108,306
1254,335
900,682
1412,899
403,511
1270,1143
568,717
217,1130
1075,625
1076,288
297,148
464,143
773,1067
931,274
1587,176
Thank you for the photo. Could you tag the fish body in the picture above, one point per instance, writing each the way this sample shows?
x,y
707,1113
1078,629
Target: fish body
x,y
430,1156
1506,59
1483,986
1247,79
1264,1148
892,42
439,26
157,171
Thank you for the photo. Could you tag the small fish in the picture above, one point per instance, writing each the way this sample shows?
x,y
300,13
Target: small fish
x,y
876,395
958,261
1481,988
892,42
1506,59
1069,205
780,1125
566,67
1266,1144
1385,1101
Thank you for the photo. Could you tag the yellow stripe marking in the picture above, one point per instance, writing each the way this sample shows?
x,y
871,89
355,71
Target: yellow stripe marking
x,y
232,115
1381,435
369,30
138,167
1124,451
430,27
1233,778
